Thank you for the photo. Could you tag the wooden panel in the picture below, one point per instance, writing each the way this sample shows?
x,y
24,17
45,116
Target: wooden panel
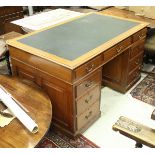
x,y
26,74
23,71
137,48
116,69
134,75
137,61
84,102
113,73
87,117
60,99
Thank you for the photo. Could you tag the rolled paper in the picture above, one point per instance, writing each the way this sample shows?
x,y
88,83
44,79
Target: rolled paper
x,y
17,111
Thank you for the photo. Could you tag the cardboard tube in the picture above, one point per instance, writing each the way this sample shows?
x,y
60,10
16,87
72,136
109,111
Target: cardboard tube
x,y
23,117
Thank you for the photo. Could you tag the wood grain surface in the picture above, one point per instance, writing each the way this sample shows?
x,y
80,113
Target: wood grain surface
x,y
15,135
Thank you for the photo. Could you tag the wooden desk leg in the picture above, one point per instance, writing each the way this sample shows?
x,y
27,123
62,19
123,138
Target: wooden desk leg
x,y
138,145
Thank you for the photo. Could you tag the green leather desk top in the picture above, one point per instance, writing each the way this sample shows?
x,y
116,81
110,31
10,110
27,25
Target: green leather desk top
x,y
77,37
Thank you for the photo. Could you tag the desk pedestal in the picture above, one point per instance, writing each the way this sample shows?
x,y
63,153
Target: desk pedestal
x,y
124,71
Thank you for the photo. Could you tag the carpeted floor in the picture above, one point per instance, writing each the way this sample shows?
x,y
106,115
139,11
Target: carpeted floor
x,y
58,140
3,68
145,90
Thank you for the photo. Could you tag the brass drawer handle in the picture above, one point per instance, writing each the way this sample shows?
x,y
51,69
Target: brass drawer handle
x,y
88,100
119,49
137,62
90,68
89,84
87,116
140,36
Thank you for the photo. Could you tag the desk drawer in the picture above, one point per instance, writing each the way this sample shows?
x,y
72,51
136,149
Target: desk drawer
x,y
88,83
123,45
88,116
88,67
137,48
139,35
112,52
84,102
137,61
133,75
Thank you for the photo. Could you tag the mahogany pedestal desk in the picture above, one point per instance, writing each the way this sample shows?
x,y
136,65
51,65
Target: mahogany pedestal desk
x,y
15,134
71,60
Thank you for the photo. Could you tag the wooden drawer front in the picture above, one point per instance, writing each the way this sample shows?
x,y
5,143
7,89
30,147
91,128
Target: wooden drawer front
x,y
88,116
140,35
112,52
123,45
109,54
87,100
134,75
88,83
137,61
23,71
88,67
137,48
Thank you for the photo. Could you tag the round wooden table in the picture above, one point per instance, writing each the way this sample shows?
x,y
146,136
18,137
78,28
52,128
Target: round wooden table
x,y
16,135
